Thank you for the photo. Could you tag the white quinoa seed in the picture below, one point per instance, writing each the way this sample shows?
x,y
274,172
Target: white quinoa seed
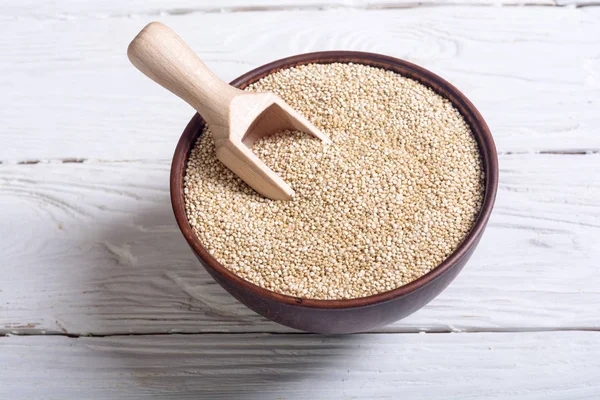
x,y
389,200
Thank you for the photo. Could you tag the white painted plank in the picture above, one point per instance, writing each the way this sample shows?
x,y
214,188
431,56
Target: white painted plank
x,y
523,366
110,8
68,89
577,3
93,248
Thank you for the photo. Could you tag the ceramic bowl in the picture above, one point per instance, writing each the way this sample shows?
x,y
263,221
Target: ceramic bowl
x,y
354,315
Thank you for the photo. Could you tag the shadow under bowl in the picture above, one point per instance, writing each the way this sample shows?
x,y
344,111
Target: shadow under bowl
x,y
353,315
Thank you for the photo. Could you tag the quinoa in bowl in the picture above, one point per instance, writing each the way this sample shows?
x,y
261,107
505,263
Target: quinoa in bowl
x,y
393,196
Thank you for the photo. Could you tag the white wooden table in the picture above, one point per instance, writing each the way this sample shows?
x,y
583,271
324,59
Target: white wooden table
x,y
100,297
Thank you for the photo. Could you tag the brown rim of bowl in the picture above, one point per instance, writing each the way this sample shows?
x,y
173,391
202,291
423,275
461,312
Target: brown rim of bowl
x,y
406,69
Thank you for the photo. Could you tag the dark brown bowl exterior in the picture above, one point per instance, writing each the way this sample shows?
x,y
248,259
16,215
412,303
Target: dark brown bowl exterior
x,y
355,315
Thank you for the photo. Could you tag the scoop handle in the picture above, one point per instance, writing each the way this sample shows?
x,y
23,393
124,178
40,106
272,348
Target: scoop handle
x,y
165,58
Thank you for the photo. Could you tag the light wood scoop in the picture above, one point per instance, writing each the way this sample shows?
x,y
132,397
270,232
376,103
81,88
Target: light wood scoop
x,y
236,118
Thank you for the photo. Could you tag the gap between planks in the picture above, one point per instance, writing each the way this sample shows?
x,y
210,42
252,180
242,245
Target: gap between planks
x,y
39,332
391,6
74,160
359,6
78,161
326,6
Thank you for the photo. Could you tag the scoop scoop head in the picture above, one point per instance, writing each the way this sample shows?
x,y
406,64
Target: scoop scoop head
x,y
236,118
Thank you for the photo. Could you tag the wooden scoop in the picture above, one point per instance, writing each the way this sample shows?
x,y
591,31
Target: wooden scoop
x,y
236,118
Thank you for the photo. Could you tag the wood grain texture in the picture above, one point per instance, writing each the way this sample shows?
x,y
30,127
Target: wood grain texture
x,y
524,366
93,248
532,72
